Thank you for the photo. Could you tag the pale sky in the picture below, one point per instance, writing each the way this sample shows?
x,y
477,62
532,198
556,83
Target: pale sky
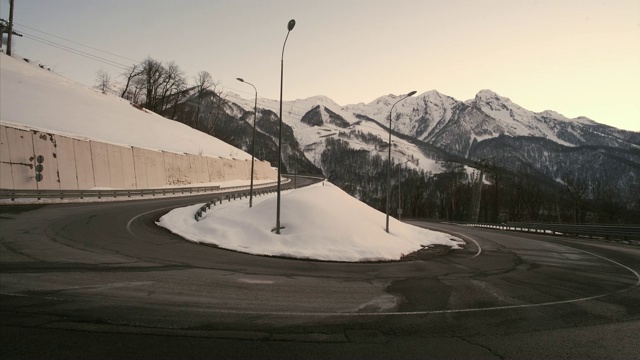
x,y
577,57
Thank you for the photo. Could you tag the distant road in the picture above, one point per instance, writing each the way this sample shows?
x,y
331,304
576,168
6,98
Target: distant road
x,y
101,280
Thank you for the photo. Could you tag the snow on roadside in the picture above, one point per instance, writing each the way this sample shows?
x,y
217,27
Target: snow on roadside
x,y
321,222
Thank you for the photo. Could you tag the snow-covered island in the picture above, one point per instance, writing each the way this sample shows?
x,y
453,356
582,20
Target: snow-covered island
x,y
320,222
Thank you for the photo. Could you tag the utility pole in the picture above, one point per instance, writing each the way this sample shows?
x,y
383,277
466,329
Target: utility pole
x,y
10,27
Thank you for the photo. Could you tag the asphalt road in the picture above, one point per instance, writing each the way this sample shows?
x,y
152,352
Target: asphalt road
x,y
102,281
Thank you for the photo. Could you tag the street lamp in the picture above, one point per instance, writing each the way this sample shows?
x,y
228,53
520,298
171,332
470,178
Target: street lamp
x,y
389,172
290,26
253,142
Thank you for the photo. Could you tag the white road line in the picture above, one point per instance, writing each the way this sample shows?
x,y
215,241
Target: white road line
x,y
145,213
430,312
458,235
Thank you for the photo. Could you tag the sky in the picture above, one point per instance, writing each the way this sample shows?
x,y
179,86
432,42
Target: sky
x,y
576,57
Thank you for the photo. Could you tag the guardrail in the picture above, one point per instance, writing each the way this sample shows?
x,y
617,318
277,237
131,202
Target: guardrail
x,y
620,232
81,194
200,214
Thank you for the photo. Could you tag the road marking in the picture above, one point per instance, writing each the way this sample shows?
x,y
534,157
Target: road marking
x,y
469,238
456,234
145,213
255,281
431,312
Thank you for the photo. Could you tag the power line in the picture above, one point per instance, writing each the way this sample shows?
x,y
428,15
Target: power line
x,y
76,52
77,43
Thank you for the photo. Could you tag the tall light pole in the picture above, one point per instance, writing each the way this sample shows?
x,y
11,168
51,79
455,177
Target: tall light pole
x,y
290,26
389,172
253,142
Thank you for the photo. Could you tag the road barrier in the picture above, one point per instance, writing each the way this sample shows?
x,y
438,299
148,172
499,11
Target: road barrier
x,y
607,232
202,211
110,193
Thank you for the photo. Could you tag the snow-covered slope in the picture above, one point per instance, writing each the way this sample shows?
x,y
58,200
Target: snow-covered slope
x,y
34,98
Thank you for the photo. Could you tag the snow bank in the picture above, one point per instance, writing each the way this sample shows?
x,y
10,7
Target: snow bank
x,y
321,222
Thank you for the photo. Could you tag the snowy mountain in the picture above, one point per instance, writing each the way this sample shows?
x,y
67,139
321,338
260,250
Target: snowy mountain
x,y
439,120
432,127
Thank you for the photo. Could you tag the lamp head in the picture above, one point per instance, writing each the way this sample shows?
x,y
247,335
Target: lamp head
x,y
291,24
411,93
240,79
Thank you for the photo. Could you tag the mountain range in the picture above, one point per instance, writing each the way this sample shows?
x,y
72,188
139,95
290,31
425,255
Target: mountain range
x,y
430,130
432,125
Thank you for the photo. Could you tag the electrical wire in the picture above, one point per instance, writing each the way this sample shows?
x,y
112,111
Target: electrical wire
x,y
77,43
76,52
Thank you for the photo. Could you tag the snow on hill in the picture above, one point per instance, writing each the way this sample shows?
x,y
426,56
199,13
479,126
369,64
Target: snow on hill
x,y
432,118
35,98
331,119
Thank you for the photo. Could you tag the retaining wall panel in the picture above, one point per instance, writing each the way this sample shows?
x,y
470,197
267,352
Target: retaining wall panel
x,y
140,166
174,169
44,144
116,177
66,159
192,169
161,175
21,158
84,164
100,159
128,168
203,170
154,167
215,168
228,168
183,164
6,179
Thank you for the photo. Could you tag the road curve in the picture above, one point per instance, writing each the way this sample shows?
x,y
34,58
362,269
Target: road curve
x,y
105,279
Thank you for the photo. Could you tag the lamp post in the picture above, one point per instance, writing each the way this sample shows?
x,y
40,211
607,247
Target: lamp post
x,y
389,172
253,141
290,26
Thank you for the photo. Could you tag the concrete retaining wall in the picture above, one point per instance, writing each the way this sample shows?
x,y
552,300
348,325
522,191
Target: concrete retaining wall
x,y
75,164
6,177
66,157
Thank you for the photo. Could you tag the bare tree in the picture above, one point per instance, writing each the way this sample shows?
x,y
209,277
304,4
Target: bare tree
x,y
577,189
133,72
172,83
103,81
153,74
218,102
203,82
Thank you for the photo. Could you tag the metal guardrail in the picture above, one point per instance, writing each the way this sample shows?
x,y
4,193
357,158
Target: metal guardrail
x,y
81,194
607,232
200,213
